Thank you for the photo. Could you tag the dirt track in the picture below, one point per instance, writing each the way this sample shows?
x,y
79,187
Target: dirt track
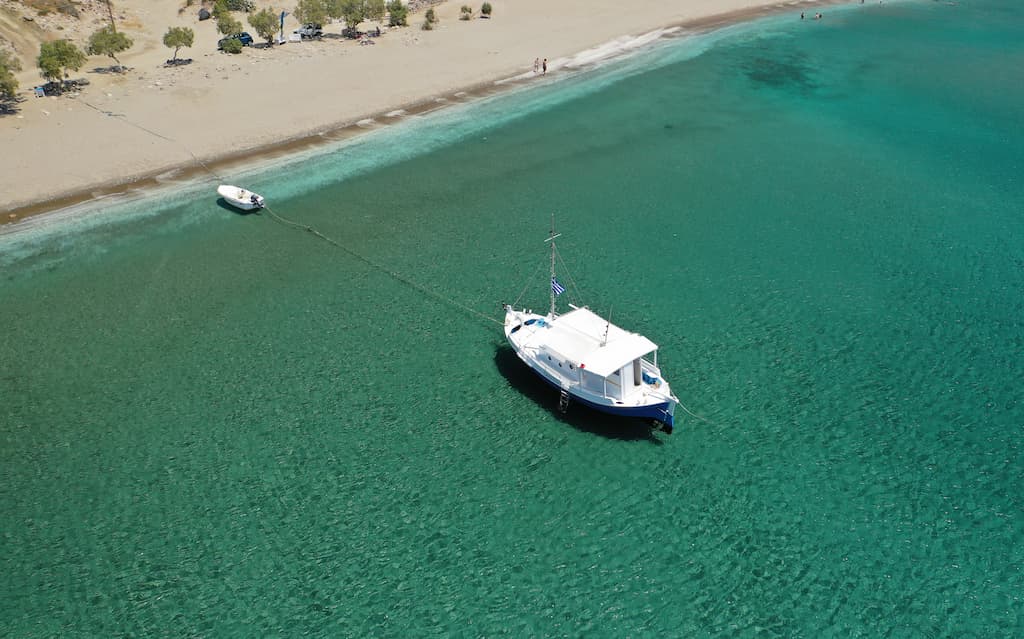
x,y
20,35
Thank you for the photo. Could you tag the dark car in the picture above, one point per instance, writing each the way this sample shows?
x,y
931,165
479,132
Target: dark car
x,y
310,30
242,37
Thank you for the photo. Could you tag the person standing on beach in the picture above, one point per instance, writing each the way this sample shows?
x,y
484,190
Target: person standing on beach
x,y
545,67
536,65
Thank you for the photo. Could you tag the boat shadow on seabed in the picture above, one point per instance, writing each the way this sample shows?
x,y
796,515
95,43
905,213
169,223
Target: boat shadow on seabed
x,y
580,417
222,203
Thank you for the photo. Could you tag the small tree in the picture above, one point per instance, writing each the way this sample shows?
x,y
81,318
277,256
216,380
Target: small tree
x,y
179,37
466,12
374,10
57,58
431,17
398,14
265,24
220,10
234,45
314,11
227,25
8,83
108,42
355,11
485,9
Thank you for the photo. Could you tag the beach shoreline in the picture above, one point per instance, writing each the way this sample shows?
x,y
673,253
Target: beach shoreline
x,y
187,163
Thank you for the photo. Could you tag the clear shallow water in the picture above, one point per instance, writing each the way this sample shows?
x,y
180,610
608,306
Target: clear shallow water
x,y
214,425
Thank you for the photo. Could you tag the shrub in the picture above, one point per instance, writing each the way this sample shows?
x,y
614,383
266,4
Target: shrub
x,y
466,12
431,16
485,9
68,9
8,83
427,25
398,14
234,45
226,25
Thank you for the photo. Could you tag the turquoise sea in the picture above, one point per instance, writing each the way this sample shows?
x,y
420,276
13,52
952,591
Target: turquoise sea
x,y
217,425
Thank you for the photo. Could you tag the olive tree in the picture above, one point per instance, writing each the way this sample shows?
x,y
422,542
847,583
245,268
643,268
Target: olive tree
x,y
374,10
314,11
108,42
179,37
57,58
355,11
220,9
227,25
264,22
8,83
398,14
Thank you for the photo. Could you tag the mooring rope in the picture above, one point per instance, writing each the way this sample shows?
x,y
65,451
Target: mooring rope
x,y
305,227
401,278
692,414
397,276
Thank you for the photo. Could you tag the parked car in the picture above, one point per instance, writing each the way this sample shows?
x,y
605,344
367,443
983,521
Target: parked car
x,y
310,30
242,37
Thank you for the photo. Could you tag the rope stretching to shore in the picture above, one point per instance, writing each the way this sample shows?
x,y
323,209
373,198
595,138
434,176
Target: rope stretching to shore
x,y
312,231
304,227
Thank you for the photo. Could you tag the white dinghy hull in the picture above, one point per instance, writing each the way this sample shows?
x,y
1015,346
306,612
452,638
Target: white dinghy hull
x,y
240,198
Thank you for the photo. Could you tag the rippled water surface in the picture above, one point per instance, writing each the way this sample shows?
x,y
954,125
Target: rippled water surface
x,y
217,425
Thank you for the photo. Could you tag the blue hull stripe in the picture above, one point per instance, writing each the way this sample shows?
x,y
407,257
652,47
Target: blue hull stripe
x,y
657,412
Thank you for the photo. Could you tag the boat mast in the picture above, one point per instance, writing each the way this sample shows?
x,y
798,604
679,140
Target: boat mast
x,y
551,238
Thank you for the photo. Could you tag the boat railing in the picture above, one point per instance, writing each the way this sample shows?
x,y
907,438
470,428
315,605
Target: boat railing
x,y
651,374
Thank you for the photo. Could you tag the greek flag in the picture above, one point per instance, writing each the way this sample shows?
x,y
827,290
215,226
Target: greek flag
x,y
556,287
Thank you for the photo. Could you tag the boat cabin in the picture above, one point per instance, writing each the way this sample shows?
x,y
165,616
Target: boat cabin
x,y
581,347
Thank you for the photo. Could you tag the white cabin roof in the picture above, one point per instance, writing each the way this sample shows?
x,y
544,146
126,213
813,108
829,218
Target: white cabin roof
x,y
579,333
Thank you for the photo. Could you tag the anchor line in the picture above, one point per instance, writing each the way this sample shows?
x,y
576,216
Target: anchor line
x,y
305,227
692,414
410,283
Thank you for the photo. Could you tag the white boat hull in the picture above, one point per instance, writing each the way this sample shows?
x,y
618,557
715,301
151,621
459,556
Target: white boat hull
x,y
240,198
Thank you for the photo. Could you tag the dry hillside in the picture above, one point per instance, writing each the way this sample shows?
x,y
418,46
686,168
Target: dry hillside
x,y
24,24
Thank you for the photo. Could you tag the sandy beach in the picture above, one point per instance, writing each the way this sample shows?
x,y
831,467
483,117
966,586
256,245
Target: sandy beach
x,y
124,130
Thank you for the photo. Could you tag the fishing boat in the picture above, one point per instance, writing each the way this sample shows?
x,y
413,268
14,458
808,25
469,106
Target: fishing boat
x,y
240,198
590,360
